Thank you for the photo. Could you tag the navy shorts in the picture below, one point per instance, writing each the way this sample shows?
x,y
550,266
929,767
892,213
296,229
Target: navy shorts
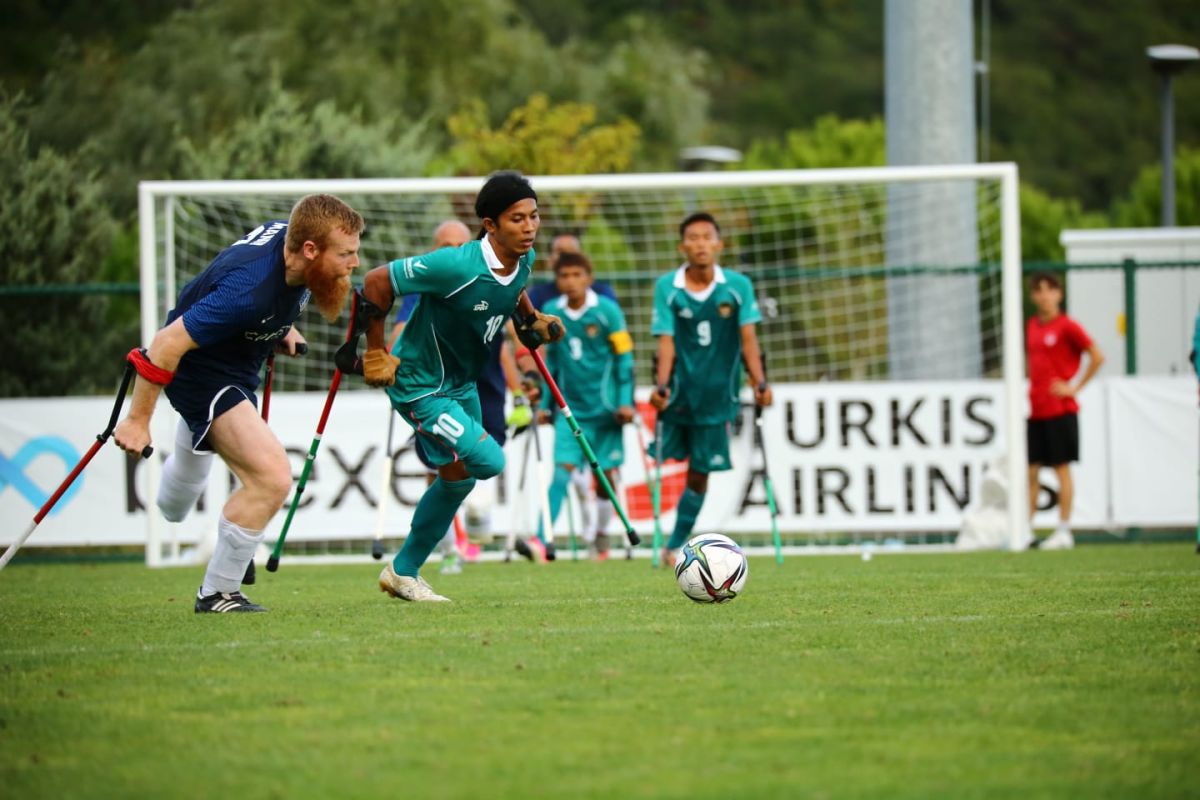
x,y
200,402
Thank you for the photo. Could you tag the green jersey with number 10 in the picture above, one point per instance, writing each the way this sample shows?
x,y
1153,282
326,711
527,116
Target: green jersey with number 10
x,y
464,304
707,328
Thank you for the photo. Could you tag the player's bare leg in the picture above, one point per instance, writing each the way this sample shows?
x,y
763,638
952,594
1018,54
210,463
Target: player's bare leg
x,y
256,457
1062,539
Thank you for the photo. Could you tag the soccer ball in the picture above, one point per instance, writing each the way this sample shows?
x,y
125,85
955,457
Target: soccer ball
x,y
711,569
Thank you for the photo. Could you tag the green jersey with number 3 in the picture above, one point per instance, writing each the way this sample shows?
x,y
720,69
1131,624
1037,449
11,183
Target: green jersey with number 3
x,y
463,306
707,328
593,363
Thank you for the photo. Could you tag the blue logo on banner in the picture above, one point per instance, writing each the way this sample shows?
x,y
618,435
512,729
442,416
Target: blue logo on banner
x,y
12,470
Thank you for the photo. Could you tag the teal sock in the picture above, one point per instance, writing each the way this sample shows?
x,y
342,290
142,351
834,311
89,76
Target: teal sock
x,y
558,493
433,515
685,517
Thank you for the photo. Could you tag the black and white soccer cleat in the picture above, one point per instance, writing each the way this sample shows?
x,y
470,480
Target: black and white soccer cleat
x,y
225,602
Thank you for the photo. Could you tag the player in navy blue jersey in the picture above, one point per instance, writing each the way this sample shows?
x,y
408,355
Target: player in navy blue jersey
x,y
208,357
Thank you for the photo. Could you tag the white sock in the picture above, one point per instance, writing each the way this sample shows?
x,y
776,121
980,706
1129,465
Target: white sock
x,y
582,480
604,515
1063,528
233,553
447,545
184,476
478,510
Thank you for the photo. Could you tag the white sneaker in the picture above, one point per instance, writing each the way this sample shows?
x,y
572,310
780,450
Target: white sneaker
x,y
1061,539
402,587
451,564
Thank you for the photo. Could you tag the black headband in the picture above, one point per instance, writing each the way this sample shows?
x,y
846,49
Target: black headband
x,y
501,191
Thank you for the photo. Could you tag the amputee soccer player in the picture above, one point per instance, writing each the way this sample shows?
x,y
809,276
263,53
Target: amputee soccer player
x,y
593,365
499,373
208,357
467,295
1054,344
704,317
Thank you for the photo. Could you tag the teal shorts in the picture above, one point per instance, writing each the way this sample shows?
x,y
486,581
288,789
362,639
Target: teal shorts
x,y
449,425
603,434
705,447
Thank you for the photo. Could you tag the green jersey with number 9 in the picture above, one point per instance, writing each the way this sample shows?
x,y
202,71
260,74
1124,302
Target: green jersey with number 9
x,y
464,304
706,327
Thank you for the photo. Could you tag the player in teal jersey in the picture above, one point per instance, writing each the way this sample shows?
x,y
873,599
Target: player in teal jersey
x,y
704,318
467,294
593,364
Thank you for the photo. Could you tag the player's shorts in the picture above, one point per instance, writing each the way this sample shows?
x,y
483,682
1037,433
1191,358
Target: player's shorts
x,y
200,402
492,412
603,434
449,425
1053,441
706,447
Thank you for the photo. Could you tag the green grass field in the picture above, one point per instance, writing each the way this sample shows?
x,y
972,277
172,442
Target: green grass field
x,y
991,675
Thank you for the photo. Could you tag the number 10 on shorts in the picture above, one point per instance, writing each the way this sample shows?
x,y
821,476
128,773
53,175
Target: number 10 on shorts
x,y
448,428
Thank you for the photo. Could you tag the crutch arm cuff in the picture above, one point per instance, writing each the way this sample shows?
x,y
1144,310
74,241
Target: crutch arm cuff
x,y
147,369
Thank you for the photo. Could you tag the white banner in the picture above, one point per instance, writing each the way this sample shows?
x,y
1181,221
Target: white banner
x,y
902,456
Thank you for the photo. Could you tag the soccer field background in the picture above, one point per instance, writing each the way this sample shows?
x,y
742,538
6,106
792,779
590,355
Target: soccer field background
x,y
1070,673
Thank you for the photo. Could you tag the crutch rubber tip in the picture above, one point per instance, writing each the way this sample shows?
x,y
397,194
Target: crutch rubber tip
x,y
377,549
273,564
633,536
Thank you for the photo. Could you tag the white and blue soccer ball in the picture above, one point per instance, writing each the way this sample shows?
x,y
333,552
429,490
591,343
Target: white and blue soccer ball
x,y
711,568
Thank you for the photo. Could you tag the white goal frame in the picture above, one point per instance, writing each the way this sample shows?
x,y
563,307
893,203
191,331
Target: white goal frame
x,y
1013,360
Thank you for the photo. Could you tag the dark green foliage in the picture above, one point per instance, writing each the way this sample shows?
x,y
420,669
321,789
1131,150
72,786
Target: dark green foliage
x,y
56,230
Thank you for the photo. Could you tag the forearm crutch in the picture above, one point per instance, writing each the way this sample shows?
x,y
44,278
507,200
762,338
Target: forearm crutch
x,y
273,561
583,444
101,438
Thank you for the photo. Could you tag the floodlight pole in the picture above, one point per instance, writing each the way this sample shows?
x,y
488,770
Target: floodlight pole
x,y
1168,59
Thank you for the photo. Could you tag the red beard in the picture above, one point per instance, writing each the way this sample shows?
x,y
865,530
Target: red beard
x,y
328,292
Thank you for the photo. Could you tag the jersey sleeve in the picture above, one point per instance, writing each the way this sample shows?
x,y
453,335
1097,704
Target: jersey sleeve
x,y
662,320
748,312
227,308
1196,345
439,273
622,347
1077,336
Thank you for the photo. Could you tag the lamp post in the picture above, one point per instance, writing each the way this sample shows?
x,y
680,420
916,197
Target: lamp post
x,y
1167,60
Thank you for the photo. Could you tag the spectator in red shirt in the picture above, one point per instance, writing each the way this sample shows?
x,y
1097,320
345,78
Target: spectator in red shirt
x,y
1054,345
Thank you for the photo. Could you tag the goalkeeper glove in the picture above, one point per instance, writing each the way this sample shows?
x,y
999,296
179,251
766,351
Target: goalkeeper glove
x,y
522,414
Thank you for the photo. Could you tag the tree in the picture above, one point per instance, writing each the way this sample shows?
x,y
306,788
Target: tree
x,y
56,229
1142,206
541,139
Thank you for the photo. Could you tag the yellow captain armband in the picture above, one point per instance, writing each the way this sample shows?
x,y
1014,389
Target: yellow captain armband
x,y
621,342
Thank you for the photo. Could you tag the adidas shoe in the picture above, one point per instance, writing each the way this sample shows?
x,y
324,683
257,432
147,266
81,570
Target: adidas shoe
x,y
402,587
225,602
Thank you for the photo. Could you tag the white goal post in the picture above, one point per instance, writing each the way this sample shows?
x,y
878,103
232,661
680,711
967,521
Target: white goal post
x,y
869,279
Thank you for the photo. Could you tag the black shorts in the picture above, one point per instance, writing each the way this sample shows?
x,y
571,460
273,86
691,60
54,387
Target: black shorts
x,y
1053,441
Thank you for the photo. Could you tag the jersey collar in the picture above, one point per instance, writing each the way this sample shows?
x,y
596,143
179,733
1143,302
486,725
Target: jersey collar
x,y
680,282
493,263
575,314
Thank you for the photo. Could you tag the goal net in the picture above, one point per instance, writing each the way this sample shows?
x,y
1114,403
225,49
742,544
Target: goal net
x,y
891,305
